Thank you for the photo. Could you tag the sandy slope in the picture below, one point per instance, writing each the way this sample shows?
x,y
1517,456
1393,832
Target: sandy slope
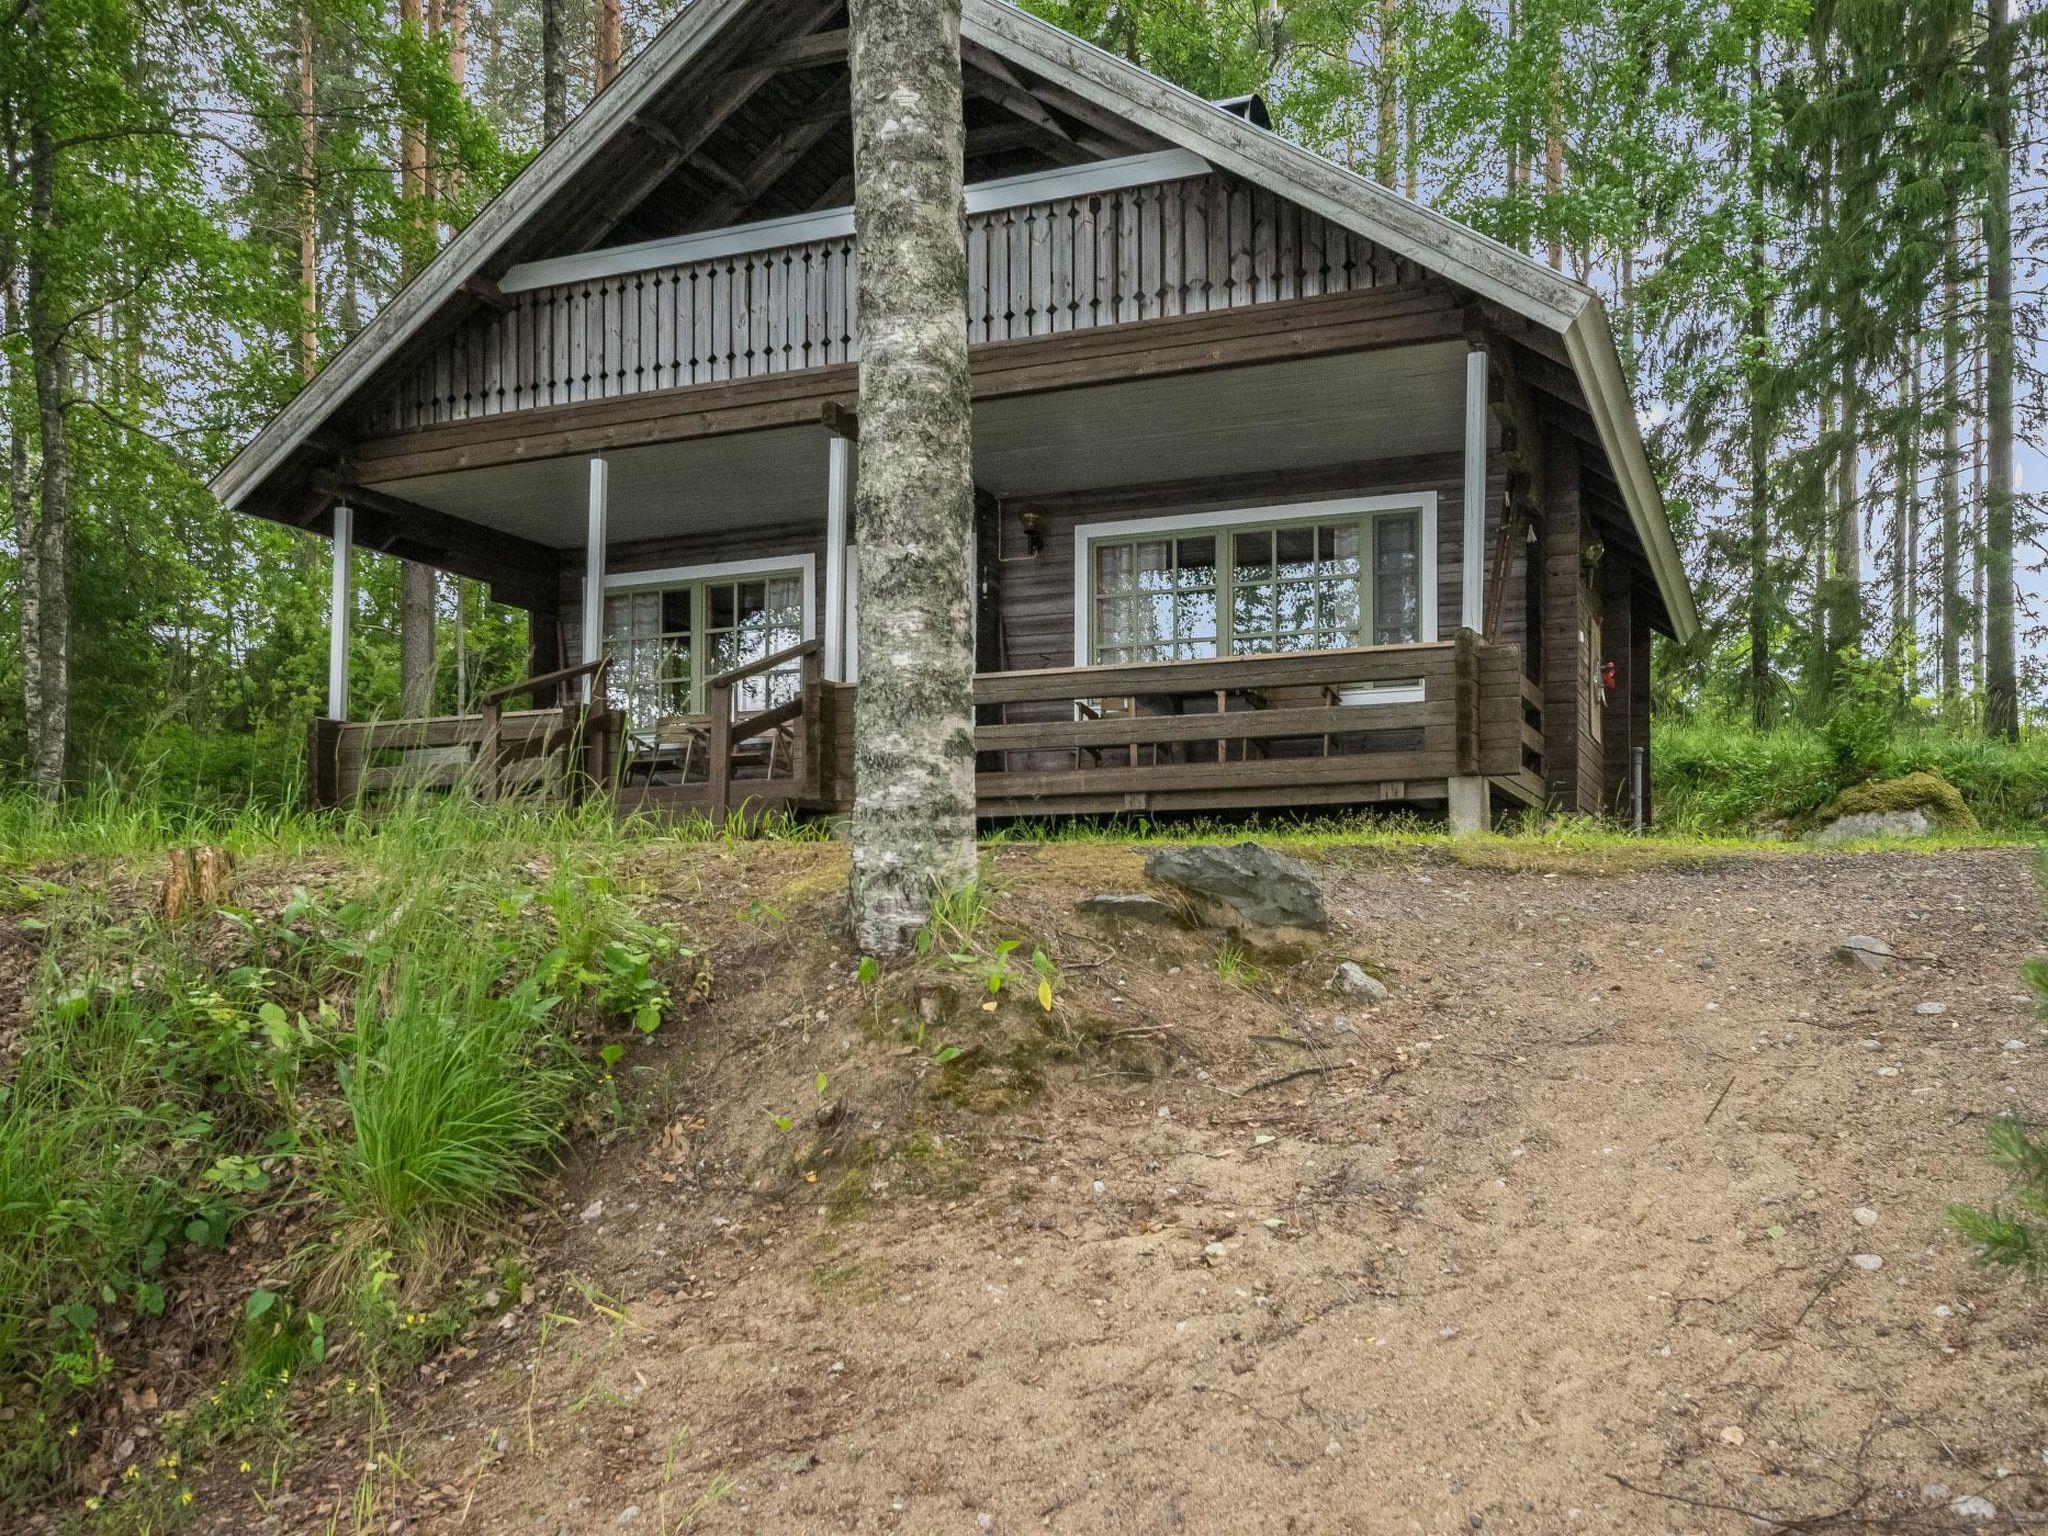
x,y
1560,1244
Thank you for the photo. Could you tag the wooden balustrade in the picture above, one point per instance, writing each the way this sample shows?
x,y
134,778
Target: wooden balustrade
x,y
1072,263
566,753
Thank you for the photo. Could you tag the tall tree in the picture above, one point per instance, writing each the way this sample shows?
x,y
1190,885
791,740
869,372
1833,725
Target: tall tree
x,y
420,584
913,811
554,72
2001,676
605,42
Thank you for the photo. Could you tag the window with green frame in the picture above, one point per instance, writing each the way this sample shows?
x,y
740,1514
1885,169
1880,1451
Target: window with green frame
x,y
667,642
1307,584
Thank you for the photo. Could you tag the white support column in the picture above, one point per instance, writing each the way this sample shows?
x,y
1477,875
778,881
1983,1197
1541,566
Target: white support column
x,y
838,498
1472,556
340,606
592,627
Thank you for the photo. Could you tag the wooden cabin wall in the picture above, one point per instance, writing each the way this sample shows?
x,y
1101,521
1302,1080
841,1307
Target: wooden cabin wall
x,y
1038,589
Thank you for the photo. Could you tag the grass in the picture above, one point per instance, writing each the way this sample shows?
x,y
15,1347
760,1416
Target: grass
x,y
382,1068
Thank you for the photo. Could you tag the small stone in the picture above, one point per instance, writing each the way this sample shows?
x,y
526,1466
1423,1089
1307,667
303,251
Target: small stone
x,y
1869,1261
1731,1434
1943,1309
985,1521
1333,1449
1354,980
1165,1113
1973,1506
1873,1045
1865,1216
2015,1045
1887,1071
629,1514
1931,1010
1864,952
593,1212
1100,1188
1934,1493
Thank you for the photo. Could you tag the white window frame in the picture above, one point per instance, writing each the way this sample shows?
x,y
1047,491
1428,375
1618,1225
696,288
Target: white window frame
x,y
1086,535
804,564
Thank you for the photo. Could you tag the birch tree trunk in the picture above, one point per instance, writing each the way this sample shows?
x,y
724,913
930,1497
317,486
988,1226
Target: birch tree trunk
x,y
309,208
2001,679
53,531
554,73
21,490
913,811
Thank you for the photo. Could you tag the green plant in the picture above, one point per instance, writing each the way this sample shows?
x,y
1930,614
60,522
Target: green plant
x,y
1235,966
2013,1233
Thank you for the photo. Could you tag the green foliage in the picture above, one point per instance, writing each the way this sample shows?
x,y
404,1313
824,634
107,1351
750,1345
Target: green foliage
x,y
1719,776
392,1059
2013,1234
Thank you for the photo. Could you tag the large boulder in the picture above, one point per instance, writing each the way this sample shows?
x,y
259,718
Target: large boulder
x,y
1912,805
1244,887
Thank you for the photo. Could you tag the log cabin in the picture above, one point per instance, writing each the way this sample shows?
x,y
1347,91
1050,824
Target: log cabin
x,y
1291,493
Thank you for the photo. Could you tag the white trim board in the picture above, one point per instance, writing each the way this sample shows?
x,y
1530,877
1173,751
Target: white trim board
x,y
726,570
1424,502
837,223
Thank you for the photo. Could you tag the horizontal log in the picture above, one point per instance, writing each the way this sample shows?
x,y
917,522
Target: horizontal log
x,y
1235,725
1367,664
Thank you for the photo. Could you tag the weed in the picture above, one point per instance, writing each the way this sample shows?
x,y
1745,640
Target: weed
x,y
1235,966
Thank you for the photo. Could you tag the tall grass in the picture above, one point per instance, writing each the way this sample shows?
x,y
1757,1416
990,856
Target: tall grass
x,y
1715,776
390,1057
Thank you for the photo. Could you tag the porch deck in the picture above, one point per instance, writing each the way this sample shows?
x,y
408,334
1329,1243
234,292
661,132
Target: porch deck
x,y
1379,725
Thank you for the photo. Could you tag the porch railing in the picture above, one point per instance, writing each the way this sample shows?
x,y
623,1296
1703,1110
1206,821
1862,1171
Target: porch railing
x,y
564,753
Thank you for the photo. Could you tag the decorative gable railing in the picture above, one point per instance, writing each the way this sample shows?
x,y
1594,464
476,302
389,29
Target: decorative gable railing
x,y
1058,252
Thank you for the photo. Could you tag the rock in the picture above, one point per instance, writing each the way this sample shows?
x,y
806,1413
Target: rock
x,y
2015,1045
1931,1010
629,1514
1865,1216
1354,980
1865,824
593,1211
1864,952
1912,805
1732,1434
1973,1506
1118,908
1243,886
1866,1261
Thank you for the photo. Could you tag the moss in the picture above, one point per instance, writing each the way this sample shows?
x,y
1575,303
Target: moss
x,y
847,1200
938,1167
1924,791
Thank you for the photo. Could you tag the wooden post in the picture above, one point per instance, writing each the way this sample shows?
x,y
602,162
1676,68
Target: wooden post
x,y
487,751
718,702
1566,672
593,569
810,734
1470,810
1472,554
341,601
838,497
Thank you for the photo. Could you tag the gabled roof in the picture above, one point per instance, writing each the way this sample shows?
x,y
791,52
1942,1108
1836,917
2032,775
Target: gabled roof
x,y
1228,140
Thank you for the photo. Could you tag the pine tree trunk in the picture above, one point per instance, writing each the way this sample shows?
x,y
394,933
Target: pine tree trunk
x,y
554,72
1848,617
1762,605
49,356
418,590
1949,616
2001,678
1905,509
913,814
1553,166
606,42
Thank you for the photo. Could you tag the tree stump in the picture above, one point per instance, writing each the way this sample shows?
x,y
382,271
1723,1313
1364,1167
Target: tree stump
x,y
195,880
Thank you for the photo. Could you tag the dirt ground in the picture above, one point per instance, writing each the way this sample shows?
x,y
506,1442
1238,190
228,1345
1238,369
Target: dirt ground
x,y
1558,1238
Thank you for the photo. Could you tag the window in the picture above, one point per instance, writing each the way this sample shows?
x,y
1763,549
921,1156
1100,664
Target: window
x,y
1316,577
668,640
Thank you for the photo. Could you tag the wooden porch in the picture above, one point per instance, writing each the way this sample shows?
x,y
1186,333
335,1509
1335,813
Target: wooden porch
x,y
1380,725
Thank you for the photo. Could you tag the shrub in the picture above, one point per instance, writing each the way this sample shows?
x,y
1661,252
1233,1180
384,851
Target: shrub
x,y
2014,1234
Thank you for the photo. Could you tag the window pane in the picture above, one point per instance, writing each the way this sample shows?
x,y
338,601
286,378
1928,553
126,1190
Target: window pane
x,y
1253,554
1113,565
1396,578
1337,600
1195,617
1155,564
1112,624
1295,551
719,601
675,610
1197,562
1340,553
1251,609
